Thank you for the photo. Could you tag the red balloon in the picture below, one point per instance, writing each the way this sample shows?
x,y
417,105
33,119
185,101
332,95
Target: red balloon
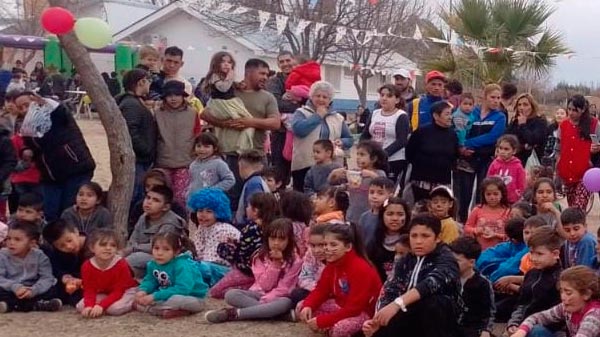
x,y
373,2
57,20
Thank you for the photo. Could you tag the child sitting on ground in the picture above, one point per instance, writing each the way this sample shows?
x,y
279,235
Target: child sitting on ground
x,y
538,291
380,190
331,205
251,164
297,207
580,245
273,177
504,258
173,285
316,177
477,316
579,309
262,210
345,295
108,287
30,208
442,206
212,214
313,264
157,217
67,249
209,169
88,213
26,280
275,267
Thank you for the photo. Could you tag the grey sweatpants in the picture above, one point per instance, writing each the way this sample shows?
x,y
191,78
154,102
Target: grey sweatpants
x,y
248,303
175,302
138,261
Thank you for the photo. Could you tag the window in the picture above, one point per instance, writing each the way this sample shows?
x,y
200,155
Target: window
x,y
375,82
333,75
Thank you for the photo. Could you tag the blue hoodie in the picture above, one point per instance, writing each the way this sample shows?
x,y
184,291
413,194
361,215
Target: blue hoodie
x,y
583,252
425,116
180,276
484,133
501,260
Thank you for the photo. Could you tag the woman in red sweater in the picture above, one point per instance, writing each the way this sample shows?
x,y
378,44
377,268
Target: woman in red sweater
x,y
345,295
576,149
108,286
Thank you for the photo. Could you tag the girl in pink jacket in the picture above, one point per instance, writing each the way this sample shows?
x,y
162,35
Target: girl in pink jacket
x,y
508,167
276,267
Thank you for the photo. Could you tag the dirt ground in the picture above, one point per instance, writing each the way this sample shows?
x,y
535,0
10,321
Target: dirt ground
x,y
68,323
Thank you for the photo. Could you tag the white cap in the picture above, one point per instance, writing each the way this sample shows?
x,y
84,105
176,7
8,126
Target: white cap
x,y
401,72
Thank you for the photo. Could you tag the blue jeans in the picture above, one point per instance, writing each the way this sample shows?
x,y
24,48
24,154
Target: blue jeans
x,y
540,331
60,196
138,186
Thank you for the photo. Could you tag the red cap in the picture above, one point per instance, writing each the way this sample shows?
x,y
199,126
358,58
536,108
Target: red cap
x,y
433,75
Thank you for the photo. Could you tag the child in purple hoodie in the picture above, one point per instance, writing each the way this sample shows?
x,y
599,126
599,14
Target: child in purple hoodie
x,y
508,167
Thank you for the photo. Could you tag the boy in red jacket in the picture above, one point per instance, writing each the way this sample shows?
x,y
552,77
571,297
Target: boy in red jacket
x,y
345,295
305,73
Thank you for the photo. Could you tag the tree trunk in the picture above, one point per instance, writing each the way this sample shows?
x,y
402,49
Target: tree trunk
x,y
360,84
122,158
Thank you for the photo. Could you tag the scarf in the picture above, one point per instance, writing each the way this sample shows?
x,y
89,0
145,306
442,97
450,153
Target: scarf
x,y
37,120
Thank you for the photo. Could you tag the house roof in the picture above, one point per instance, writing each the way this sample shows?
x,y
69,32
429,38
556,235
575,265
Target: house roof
x,y
173,9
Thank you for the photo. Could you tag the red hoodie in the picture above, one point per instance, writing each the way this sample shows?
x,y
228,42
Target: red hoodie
x,y
32,174
513,175
354,285
304,74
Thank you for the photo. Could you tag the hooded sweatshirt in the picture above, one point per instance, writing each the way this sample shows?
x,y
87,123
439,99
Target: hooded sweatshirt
x,y
144,230
485,132
176,132
100,218
180,276
512,174
33,271
304,74
354,285
210,172
274,280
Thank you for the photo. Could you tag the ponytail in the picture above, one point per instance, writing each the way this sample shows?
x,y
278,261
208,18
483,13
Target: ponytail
x,y
178,241
348,233
339,195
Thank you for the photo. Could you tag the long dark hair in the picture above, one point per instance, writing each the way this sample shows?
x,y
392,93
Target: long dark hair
x,y
339,195
215,68
267,206
280,228
375,249
375,151
489,181
585,121
178,241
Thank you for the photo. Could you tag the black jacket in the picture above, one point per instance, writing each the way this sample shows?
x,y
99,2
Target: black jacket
x,y
141,125
532,135
478,299
114,87
276,86
62,152
437,276
432,151
538,293
8,157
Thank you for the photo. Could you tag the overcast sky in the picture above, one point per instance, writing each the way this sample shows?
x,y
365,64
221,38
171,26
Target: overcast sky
x,y
579,22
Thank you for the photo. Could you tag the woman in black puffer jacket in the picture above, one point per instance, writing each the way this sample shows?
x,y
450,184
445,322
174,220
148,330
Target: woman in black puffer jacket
x,y
60,151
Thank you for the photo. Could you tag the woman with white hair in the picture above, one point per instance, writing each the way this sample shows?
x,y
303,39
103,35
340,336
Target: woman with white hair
x,y
316,120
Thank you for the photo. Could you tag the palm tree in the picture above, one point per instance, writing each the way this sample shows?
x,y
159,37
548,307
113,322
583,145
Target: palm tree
x,y
497,40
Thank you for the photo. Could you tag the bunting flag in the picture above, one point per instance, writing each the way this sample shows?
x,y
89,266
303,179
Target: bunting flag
x,y
263,18
418,35
281,22
302,24
340,33
241,10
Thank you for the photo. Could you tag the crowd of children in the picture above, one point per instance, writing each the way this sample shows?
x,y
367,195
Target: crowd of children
x,y
346,256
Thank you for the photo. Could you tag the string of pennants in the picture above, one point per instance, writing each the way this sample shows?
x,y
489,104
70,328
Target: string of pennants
x,y
283,21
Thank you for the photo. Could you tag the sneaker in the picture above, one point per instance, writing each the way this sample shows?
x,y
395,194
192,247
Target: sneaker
x,y
290,316
174,313
51,305
221,315
3,307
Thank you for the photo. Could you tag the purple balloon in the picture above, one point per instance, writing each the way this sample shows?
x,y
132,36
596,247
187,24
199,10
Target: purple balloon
x,y
591,180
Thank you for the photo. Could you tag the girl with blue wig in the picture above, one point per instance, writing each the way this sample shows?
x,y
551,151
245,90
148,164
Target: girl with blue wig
x,y
211,212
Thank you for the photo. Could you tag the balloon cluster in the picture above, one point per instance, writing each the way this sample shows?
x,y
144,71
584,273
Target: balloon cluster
x,y
93,33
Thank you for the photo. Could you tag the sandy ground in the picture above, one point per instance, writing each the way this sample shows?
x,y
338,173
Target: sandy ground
x,y
68,323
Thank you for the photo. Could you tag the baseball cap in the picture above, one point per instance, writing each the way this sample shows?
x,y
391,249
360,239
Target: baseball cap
x,y
434,75
401,72
441,191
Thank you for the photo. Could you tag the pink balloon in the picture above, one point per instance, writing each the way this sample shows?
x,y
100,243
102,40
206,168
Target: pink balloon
x,y
57,20
591,180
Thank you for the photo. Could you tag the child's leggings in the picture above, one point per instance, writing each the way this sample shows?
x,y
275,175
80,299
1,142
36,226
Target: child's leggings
x,y
250,306
120,307
175,302
234,279
180,179
346,327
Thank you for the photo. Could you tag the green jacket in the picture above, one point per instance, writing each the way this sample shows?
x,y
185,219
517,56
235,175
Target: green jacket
x,y
180,276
